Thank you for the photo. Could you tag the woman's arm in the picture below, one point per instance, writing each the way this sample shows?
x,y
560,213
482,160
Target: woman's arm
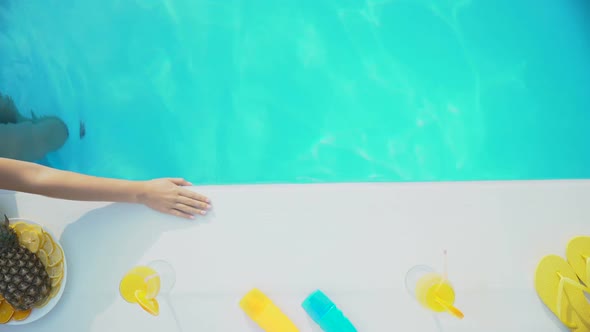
x,y
164,195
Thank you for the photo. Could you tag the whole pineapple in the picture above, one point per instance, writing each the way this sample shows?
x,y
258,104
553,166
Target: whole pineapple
x,y
23,278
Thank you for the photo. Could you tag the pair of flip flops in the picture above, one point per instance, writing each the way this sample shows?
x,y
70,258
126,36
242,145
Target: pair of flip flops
x,y
563,284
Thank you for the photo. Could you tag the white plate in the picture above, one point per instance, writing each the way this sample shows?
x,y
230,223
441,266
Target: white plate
x,y
38,313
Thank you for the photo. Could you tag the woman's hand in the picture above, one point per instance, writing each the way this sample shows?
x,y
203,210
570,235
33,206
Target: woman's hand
x,y
165,195
168,196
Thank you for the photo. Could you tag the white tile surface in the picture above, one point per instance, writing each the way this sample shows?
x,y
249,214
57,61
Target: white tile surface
x,y
354,241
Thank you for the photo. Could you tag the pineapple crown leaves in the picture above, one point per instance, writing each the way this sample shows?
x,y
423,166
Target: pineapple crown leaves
x,y
8,238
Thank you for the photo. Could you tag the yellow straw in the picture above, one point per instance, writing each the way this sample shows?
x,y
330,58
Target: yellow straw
x,y
450,308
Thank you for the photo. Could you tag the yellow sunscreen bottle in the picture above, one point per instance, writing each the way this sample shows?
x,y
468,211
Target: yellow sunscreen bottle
x,y
265,313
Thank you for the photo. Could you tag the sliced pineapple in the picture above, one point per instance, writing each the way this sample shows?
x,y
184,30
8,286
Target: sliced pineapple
x,y
19,227
43,257
56,282
36,229
56,270
30,240
48,245
56,256
53,293
21,315
6,312
41,241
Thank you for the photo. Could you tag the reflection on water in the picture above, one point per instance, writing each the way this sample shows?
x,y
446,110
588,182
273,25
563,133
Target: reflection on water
x,y
298,91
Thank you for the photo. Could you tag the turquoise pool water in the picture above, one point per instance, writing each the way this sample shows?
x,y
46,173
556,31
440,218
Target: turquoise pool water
x,y
259,91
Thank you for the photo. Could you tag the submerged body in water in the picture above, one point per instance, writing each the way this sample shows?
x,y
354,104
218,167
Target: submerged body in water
x,y
25,138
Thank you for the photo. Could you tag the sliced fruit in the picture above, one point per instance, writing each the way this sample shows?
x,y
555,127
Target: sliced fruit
x,y
129,285
54,291
6,312
56,256
44,302
36,228
56,281
149,305
41,242
19,227
39,231
21,315
48,245
30,240
47,235
56,271
138,278
42,254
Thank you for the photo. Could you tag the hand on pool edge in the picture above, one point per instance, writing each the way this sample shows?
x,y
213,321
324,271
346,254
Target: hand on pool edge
x,y
169,196
166,195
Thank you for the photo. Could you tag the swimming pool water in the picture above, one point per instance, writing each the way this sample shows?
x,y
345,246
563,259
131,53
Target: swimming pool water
x,y
259,91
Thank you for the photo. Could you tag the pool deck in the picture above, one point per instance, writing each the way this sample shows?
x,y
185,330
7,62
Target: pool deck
x,y
354,241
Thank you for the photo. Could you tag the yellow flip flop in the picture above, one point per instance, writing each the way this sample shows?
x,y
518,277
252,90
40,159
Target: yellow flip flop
x,y
578,256
558,287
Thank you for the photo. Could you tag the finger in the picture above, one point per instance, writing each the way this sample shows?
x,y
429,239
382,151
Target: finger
x,y
194,203
189,209
180,182
180,214
194,195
